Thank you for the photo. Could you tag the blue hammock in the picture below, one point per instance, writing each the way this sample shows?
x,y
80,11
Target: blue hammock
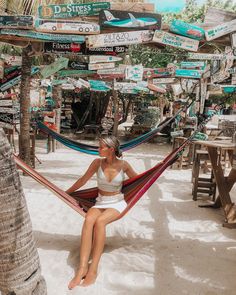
x,y
93,150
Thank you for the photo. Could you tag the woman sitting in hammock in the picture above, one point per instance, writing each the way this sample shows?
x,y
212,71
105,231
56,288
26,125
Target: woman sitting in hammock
x,y
109,204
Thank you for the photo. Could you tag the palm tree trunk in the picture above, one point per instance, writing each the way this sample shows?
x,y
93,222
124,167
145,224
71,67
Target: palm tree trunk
x,y
20,272
24,139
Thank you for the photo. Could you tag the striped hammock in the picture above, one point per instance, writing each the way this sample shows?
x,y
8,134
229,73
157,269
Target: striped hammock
x,y
93,150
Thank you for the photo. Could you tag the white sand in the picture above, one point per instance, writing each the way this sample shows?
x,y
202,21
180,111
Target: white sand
x,y
165,245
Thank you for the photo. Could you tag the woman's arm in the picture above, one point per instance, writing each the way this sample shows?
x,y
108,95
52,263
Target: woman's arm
x,y
129,170
87,175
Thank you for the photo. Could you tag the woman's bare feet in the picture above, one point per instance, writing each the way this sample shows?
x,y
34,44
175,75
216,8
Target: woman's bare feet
x,y
90,278
81,273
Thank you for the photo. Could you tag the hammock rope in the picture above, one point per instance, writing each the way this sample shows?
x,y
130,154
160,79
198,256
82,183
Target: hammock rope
x,y
93,150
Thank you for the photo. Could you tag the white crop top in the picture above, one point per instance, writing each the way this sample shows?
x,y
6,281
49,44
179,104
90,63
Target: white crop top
x,y
115,185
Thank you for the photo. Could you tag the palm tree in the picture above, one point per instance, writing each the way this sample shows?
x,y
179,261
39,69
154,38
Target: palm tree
x,y
20,271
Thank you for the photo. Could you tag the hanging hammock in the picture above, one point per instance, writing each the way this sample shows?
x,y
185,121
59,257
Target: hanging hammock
x,y
93,150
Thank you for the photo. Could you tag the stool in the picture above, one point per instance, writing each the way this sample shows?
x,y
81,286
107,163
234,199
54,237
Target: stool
x,y
202,185
183,160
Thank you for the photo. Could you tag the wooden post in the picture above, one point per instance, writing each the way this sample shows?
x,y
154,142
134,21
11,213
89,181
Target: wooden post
x,y
116,111
20,271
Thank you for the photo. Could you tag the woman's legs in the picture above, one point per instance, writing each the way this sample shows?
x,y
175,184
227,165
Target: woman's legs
x,y
102,220
85,246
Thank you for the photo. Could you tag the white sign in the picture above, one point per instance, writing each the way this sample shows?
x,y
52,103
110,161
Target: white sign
x,y
107,65
5,102
103,58
221,30
116,39
175,40
134,73
115,71
209,56
163,80
8,110
124,86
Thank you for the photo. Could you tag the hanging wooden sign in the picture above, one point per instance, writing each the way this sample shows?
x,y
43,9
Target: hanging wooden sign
x,y
64,73
112,73
155,73
229,88
77,65
10,83
100,58
53,68
106,50
71,10
129,19
64,48
8,110
10,76
16,21
44,36
97,85
221,30
122,38
191,31
188,73
175,41
6,102
99,66
156,88
191,65
163,80
134,73
209,56
66,27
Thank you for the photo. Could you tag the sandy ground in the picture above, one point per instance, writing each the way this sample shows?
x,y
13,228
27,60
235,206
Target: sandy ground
x,y
166,245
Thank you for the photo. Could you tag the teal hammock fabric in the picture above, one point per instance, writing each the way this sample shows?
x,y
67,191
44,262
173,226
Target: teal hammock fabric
x,y
93,150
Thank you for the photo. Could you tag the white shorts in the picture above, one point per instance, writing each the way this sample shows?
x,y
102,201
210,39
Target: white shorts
x,y
116,202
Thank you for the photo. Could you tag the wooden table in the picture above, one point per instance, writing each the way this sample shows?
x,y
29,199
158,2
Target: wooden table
x,y
224,184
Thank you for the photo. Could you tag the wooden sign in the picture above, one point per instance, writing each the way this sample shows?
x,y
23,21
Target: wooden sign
x,y
100,58
122,38
229,89
77,65
163,80
16,21
12,60
66,27
97,85
53,68
10,83
221,30
106,50
84,83
156,88
112,73
125,87
175,40
100,66
10,76
64,48
215,15
134,73
188,73
177,89
129,20
191,31
233,79
8,110
233,40
215,66
155,73
191,65
65,73
209,56
44,36
5,102
71,10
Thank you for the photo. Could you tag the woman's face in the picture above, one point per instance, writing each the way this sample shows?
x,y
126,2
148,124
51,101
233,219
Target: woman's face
x,y
104,150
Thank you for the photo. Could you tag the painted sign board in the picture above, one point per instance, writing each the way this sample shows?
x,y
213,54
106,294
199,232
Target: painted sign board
x,y
8,110
44,36
112,73
209,56
188,73
12,60
163,80
16,21
71,10
221,30
124,85
64,48
10,83
97,85
6,102
175,40
110,50
66,27
65,73
191,65
229,89
156,72
129,20
77,65
99,66
56,66
191,31
100,58
122,38
134,73
10,76
156,88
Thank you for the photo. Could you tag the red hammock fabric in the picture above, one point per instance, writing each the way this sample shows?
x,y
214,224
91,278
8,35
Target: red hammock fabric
x,y
133,189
